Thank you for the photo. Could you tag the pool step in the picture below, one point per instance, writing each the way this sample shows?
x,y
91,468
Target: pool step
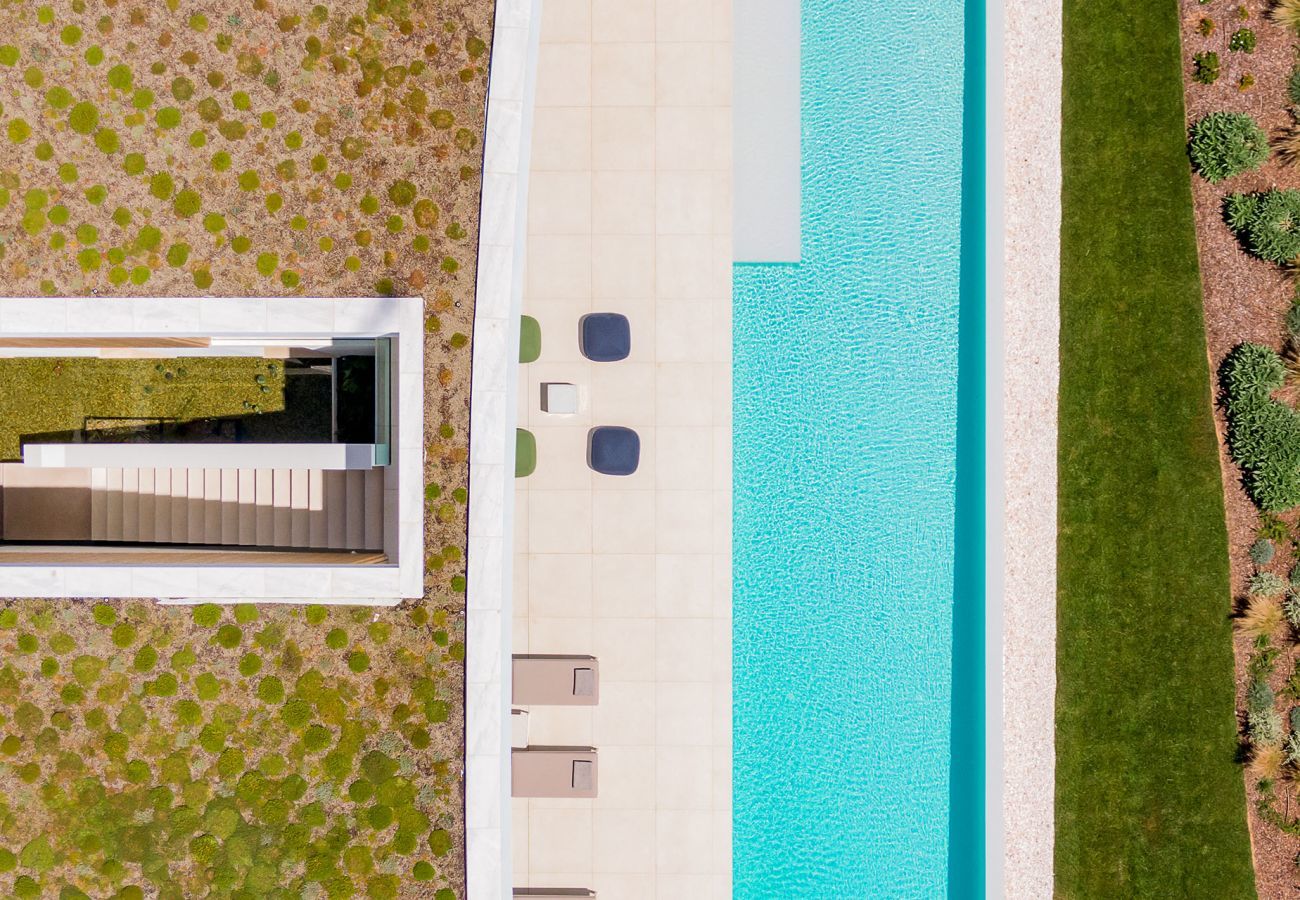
x,y
293,508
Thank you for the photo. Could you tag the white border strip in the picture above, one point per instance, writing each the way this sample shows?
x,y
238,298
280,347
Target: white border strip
x,y
497,306
1027,102
263,318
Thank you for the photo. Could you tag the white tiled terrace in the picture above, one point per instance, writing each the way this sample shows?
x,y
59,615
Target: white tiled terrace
x,y
630,212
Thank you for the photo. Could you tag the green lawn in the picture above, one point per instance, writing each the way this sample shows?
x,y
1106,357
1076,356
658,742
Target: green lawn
x,y
53,397
1149,800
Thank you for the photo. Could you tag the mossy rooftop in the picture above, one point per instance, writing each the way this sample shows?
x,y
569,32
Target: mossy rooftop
x,y
192,149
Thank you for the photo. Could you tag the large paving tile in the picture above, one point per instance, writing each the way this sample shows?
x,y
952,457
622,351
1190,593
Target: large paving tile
x,y
561,139
625,716
559,840
626,649
624,203
623,585
559,266
622,267
623,139
623,393
564,75
623,74
686,778
683,650
684,521
565,21
684,584
627,779
623,521
559,521
622,20
683,844
561,456
684,714
620,841
684,458
684,202
559,203
562,635
559,585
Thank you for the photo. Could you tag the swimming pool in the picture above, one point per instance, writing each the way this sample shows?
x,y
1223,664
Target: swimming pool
x,y
846,464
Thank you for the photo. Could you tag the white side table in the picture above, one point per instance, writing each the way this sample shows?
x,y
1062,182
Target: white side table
x,y
559,397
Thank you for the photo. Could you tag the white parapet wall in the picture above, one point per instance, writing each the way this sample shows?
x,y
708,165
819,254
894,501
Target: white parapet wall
x,y
195,455
258,320
493,403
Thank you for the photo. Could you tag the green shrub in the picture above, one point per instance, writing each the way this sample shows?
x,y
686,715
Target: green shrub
x,y
1205,68
1266,584
1259,696
1274,529
1264,727
1293,85
1263,434
1224,144
1242,41
1291,609
1268,223
1293,320
1261,552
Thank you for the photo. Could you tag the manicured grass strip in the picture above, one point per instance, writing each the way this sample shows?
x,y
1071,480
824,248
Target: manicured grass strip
x,y
50,398
1149,800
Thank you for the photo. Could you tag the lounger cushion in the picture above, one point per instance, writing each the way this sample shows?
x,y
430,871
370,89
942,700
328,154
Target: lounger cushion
x,y
605,337
613,450
584,682
584,776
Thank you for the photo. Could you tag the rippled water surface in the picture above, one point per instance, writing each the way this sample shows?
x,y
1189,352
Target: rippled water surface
x,y
845,406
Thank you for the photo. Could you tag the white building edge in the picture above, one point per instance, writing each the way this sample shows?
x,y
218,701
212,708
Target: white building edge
x,y
222,521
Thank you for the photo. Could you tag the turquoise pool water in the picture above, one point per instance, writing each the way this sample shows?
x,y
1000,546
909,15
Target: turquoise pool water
x,y
847,522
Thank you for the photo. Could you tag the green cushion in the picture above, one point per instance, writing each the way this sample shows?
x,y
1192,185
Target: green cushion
x,y
525,453
530,339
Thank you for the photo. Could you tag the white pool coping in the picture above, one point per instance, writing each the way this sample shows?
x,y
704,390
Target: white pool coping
x,y
493,384
766,115
1024,189
262,318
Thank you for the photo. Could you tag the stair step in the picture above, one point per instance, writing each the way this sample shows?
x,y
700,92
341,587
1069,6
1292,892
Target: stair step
x,y
335,509
374,506
264,534
282,485
317,526
162,505
211,507
99,504
354,508
131,505
299,505
144,514
247,494
180,506
113,516
194,495
229,504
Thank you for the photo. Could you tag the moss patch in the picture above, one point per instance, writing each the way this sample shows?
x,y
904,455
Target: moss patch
x,y
49,398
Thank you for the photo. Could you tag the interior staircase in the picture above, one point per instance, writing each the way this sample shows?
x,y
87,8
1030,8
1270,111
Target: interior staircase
x,y
287,508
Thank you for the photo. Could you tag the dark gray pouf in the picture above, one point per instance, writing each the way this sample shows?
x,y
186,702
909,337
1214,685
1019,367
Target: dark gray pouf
x,y
605,337
613,450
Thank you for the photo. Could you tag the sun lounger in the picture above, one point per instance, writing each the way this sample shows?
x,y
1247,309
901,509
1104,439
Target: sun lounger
x,y
553,772
604,337
555,681
613,450
554,893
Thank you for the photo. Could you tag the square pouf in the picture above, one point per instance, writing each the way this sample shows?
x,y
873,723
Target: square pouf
x,y
559,397
613,450
605,337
